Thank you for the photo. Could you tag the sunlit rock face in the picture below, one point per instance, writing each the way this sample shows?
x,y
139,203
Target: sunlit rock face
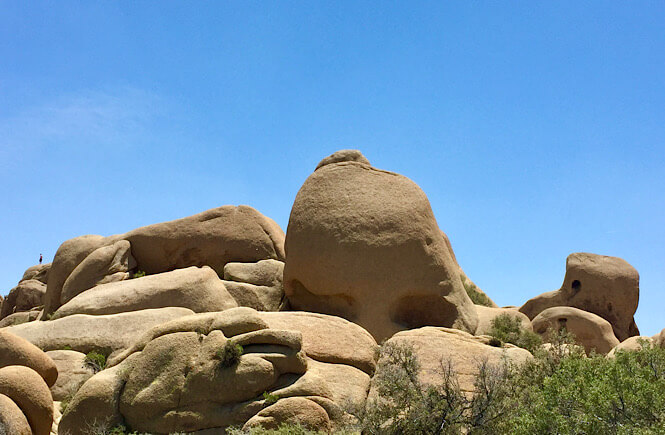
x,y
183,376
363,244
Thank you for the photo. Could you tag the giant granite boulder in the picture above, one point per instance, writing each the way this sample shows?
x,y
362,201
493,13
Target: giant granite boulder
x,y
606,286
213,238
26,295
591,331
363,244
15,350
32,397
187,375
196,288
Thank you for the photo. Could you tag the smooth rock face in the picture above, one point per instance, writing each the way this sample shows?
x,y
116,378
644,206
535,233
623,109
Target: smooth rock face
x,y
29,391
266,273
343,156
26,295
72,373
84,333
487,314
606,286
316,357
38,272
17,351
434,346
591,331
260,298
196,288
363,244
632,344
12,419
213,238
106,264
19,318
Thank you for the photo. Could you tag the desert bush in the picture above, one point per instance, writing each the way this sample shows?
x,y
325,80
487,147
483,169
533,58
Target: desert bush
x,y
229,355
137,274
282,429
559,391
95,360
508,329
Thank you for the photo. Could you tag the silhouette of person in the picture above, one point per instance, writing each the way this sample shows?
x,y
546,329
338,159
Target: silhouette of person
x,y
40,258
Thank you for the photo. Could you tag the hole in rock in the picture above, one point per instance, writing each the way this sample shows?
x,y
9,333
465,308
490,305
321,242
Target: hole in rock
x,y
576,286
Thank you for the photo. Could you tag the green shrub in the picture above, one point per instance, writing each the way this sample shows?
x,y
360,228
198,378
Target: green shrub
x,y
282,429
508,329
137,274
95,360
229,355
477,297
270,398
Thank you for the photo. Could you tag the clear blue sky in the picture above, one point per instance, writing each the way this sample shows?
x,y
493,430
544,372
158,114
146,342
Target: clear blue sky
x,y
536,130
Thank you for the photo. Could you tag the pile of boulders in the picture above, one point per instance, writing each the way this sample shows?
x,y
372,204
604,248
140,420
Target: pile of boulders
x,y
220,319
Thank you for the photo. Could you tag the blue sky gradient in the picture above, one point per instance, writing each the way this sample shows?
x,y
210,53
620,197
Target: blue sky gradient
x,y
535,130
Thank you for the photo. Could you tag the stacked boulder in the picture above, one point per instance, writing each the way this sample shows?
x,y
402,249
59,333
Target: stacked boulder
x,y
24,301
26,374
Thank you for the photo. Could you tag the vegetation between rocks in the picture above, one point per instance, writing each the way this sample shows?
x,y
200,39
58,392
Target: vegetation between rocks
x,y
95,360
508,329
476,296
229,355
559,391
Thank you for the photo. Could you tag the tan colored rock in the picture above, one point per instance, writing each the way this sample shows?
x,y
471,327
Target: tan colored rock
x,y
84,333
659,339
106,264
606,286
196,288
15,350
12,419
487,314
632,344
26,295
590,330
140,387
363,244
72,373
213,238
28,390
343,156
293,410
465,352
19,318
38,272
260,298
267,273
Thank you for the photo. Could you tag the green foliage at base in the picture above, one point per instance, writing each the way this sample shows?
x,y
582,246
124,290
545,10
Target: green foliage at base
x,y
508,329
270,398
559,391
137,274
229,355
282,429
95,360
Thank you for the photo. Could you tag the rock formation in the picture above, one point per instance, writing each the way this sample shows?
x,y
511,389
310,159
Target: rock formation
x,y
363,244
322,361
606,286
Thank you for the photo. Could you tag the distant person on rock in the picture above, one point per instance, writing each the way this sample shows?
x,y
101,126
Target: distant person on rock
x,y
40,258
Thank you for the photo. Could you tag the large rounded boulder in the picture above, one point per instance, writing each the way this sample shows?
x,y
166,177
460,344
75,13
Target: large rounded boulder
x,y
363,244
606,286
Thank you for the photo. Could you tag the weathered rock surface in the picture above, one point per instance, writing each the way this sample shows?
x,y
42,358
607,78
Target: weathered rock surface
x,y
84,333
343,156
260,298
465,352
591,331
196,288
256,285
363,244
12,419
213,238
487,314
38,272
20,317
322,359
26,295
28,390
632,344
72,373
606,286
17,351
106,264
